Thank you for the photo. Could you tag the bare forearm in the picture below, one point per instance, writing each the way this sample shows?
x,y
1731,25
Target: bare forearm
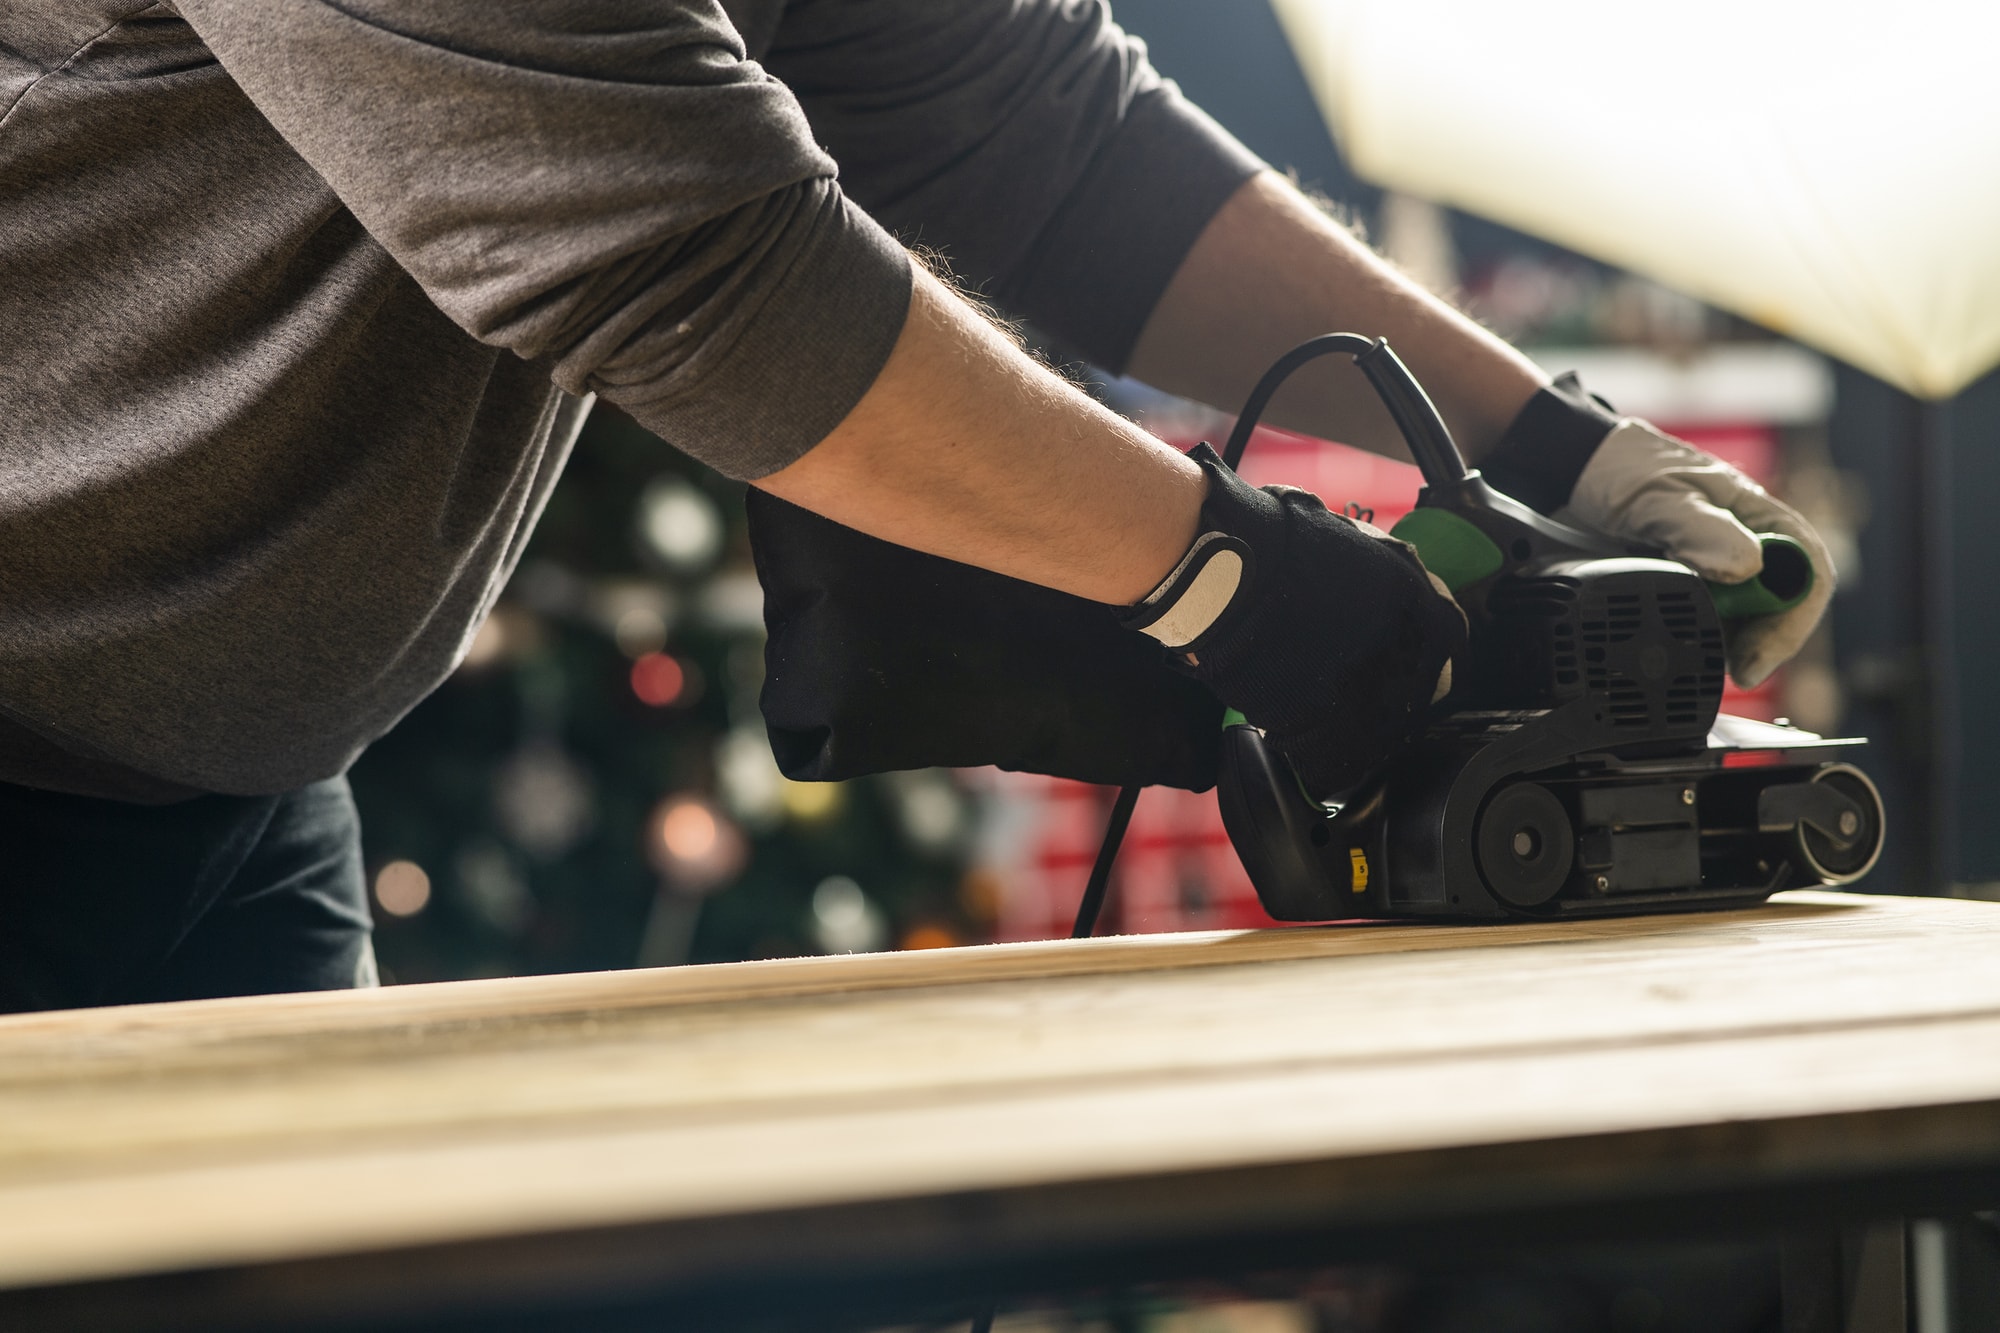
x,y
1272,270
968,449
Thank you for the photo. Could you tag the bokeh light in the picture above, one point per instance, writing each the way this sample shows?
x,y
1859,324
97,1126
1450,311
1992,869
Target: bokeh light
x,y
928,937
811,802
687,832
506,634
402,888
693,845
844,921
545,799
747,777
488,643
680,525
658,679
640,631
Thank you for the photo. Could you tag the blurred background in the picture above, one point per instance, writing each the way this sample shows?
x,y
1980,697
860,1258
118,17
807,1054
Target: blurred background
x,y
593,788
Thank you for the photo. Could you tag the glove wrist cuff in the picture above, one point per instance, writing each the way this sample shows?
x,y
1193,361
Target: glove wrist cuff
x,y
1548,444
1194,596
1237,520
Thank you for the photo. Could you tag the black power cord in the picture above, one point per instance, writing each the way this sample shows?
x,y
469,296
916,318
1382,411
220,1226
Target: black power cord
x,y
1100,874
1429,443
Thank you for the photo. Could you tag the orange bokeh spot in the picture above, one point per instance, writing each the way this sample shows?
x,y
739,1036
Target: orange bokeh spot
x,y
688,831
658,679
929,937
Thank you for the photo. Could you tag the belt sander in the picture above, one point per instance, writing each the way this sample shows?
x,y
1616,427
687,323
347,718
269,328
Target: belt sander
x,y
1583,766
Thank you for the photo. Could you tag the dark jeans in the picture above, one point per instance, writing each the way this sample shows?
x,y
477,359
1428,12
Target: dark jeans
x,y
102,902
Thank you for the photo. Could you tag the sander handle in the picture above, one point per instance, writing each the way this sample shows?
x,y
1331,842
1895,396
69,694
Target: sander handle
x,y
1786,579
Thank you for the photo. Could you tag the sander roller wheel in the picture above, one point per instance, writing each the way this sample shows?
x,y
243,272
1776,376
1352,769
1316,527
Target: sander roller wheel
x,y
1830,863
1525,844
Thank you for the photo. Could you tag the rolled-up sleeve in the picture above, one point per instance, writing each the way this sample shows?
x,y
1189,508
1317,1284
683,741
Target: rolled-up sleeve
x,y
1028,141
612,190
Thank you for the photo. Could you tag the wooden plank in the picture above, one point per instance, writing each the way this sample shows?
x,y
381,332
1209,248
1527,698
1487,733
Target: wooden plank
x,y
150,1029
228,1132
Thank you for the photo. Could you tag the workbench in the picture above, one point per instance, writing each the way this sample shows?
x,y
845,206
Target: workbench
x,y
824,1133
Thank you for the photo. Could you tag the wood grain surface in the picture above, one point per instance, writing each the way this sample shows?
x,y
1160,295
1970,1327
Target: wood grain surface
x,y
1822,1033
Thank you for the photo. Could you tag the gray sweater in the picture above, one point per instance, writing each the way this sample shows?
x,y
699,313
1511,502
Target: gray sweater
x,y
301,303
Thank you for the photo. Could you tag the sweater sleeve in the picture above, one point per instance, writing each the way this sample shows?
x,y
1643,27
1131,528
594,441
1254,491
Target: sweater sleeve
x,y
1029,142
612,190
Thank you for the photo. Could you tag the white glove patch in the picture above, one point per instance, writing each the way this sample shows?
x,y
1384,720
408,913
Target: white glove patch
x,y
1645,486
1195,595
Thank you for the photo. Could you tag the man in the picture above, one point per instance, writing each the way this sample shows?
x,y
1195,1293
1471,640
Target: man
x,y
302,303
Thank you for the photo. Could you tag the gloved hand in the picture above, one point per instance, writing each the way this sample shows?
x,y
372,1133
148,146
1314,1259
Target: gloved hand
x,y
1327,633
1567,454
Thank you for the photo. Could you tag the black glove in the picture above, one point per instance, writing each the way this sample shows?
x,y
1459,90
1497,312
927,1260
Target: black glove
x,y
1326,633
881,657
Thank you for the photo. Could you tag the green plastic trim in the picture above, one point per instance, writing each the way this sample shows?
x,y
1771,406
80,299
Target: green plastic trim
x,y
1785,562
1232,718
1450,546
